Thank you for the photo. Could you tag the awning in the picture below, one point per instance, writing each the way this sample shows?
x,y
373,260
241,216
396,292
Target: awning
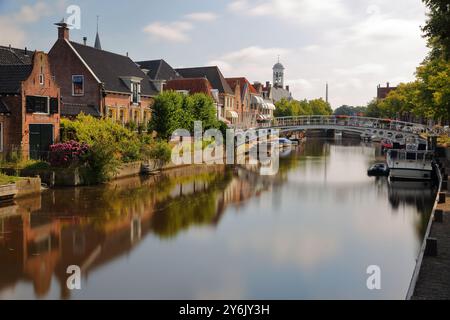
x,y
270,105
257,100
232,114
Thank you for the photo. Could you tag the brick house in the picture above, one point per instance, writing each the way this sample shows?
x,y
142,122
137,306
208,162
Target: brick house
x,y
382,92
29,104
192,86
247,114
215,77
100,83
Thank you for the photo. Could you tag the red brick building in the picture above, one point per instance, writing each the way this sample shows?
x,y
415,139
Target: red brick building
x,y
29,104
382,92
100,83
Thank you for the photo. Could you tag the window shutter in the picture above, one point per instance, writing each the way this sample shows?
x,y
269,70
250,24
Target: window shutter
x,y
53,105
30,101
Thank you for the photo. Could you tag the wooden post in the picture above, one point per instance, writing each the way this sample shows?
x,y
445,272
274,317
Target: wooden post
x,y
442,197
431,247
439,216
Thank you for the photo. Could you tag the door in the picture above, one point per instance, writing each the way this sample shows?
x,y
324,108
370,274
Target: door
x,y
41,138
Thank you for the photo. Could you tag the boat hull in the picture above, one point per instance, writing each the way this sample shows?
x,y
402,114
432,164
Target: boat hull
x,y
410,174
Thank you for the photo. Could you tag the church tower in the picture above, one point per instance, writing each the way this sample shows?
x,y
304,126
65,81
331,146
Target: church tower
x,y
278,74
97,44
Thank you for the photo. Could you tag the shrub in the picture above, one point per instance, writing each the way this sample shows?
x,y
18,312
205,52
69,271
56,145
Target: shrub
x,y
68,153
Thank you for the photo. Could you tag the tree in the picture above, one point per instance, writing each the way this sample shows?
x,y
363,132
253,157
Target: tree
x,y
284,108
167,113
437,28
320,107
373,109
434,93
346,110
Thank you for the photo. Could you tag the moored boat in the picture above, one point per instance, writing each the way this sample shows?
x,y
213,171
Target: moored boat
x,y
410,164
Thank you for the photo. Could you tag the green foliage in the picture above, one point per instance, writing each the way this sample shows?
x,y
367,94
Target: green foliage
x,y
350,111
437,28
167,114
373,109
173,110
292,108
4,179
159,150
428,97
111,144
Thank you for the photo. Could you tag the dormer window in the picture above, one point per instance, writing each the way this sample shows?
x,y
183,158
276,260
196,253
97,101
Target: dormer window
x,y
136,92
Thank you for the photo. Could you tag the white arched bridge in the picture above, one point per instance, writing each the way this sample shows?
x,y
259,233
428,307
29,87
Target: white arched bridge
x,y
365,126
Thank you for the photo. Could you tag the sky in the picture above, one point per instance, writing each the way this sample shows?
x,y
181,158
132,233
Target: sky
x,y
354,45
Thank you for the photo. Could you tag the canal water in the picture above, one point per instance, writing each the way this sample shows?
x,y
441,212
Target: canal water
x,y
222,233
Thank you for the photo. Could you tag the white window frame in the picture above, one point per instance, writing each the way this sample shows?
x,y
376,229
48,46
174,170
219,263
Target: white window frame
x,y
41,79
73,86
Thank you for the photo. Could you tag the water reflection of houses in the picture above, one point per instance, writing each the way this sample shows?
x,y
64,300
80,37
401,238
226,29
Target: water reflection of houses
x,y
40,237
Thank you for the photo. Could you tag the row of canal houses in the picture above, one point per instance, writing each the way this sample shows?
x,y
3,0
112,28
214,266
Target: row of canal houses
x,y
38,88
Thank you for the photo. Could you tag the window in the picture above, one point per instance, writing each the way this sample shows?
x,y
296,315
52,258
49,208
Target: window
x,y
121,116
136,92
77,85
41,79
36,104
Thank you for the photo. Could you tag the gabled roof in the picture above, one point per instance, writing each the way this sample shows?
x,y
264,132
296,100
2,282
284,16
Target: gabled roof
x,y
13,56
243,83
193,85
11,77
110,68
159,70
213,74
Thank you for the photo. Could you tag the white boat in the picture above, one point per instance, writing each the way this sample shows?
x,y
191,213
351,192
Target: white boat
x,y
410,164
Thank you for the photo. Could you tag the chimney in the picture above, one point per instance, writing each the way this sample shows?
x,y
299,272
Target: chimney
x,y
387,84
26,51
63,30
84,40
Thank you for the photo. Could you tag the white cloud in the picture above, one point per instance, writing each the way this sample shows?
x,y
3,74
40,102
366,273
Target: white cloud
x,y
178,31
353,45
201,16
12,26
294,11
172,32
32,13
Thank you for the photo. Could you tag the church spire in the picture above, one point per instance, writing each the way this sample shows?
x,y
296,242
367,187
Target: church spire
x,y
97,44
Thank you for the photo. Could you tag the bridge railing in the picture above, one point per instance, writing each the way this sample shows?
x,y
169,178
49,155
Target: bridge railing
x,y
355,122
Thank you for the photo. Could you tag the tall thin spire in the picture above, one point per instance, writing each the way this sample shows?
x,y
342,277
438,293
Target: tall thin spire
x,y
97,44
326,93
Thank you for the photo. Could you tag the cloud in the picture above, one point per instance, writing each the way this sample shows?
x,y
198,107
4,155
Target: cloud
x,y
172,32
178,31
32,13
248,61
12,25
201,16
293,11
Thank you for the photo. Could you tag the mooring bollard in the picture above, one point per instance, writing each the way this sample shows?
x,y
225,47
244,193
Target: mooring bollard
x,y
439,216
442,197
431,247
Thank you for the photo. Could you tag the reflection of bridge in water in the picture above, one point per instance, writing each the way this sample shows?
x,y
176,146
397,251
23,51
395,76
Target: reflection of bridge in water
x,y
383,128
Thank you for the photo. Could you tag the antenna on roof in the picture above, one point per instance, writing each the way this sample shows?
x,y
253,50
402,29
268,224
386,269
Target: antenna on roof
x,y
278,58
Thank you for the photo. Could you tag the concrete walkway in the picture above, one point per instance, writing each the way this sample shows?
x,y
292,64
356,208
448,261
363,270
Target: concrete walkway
x,y
434,278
